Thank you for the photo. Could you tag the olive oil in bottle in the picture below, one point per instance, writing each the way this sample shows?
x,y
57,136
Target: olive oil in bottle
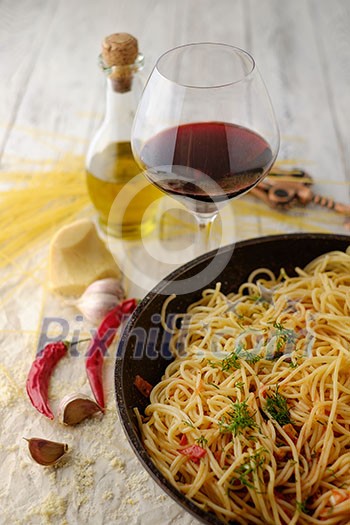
x,y
111,171
122,197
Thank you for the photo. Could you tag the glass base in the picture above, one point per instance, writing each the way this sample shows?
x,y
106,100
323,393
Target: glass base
x,y
129,231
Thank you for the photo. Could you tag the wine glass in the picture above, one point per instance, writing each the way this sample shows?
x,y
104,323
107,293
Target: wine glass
x,y
205,131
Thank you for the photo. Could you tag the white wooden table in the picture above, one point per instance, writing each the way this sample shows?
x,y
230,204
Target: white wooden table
x,y
51,101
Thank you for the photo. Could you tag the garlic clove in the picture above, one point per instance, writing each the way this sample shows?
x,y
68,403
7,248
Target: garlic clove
x,y
74,408
96,305
99,298
108,285
44,452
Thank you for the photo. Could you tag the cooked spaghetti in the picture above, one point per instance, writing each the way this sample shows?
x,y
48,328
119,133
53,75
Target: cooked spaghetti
x,y
251,420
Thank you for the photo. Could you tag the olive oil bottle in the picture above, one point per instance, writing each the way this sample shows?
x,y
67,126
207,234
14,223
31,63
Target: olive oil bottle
x,y
124,200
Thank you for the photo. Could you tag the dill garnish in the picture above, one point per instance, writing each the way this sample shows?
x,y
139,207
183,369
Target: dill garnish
x,y
302,507
278,326
188,423
244,473
252,358
202,441
277,407
228,363
237,420
232,361
284,336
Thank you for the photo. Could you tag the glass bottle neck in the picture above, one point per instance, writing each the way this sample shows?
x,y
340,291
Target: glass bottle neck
x,y
120,110
124,87
114,99
122,77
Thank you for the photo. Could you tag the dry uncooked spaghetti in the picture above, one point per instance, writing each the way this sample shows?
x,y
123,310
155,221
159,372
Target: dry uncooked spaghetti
x,y
252,418
38,203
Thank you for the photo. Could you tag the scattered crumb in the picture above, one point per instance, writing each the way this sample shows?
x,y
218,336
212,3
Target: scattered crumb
x,y
107,495
53,506
131,501
137,483
83,477
117,463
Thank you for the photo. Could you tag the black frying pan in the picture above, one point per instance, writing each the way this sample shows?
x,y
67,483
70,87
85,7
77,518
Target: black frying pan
x,y
143,347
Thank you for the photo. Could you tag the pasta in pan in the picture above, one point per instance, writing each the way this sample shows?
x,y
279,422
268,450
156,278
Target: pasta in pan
x,y
251,420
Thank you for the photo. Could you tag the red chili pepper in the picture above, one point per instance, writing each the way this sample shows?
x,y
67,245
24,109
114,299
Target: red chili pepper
x,y
183,440
99,344
194,452
143,386
38,379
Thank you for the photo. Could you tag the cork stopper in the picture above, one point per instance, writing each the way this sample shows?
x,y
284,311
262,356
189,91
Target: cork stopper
x,y
119,51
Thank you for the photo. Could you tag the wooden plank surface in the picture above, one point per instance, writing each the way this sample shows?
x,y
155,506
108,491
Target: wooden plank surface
x,y
23,26
332,36
51,101
51,82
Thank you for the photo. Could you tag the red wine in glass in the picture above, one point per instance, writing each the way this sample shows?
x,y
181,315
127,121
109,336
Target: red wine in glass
x,y
185,160
205,131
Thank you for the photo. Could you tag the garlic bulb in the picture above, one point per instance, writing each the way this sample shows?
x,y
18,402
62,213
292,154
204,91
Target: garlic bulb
x,y
99,298
74,408
44,452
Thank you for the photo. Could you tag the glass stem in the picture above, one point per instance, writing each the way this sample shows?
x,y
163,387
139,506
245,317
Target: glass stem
x,y
205,223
